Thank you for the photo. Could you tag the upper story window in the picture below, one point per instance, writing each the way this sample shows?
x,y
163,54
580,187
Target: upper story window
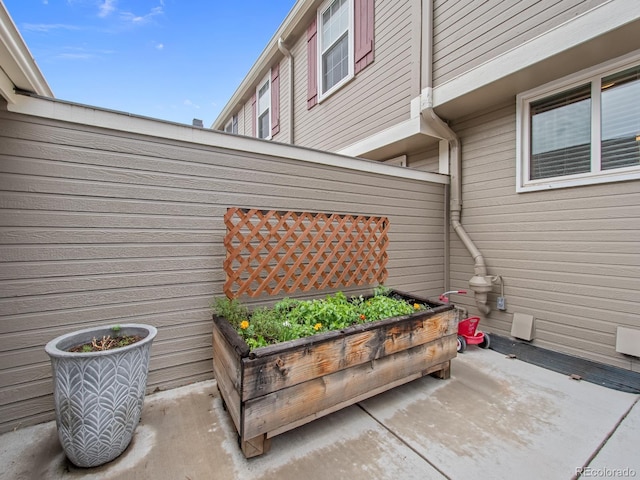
x,y
581,130
340,44
232,125
263,117
335,20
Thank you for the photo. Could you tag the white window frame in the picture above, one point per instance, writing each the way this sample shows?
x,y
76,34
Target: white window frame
x,y
350,75
523,129
266,79
233,121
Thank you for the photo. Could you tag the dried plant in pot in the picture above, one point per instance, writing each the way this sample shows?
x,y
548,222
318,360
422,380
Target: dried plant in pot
x,y
99,378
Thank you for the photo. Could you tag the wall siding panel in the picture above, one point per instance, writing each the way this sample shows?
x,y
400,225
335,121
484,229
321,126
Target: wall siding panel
x,y
570,257
467,34
378,97
102,227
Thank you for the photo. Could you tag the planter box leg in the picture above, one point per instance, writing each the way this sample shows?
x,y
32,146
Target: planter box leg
x,y
444,373
255,446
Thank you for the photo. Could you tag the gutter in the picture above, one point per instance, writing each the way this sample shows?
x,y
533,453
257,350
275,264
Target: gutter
x,y
287,54
481,283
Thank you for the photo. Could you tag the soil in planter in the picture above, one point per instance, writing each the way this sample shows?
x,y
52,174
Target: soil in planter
x,y
107,342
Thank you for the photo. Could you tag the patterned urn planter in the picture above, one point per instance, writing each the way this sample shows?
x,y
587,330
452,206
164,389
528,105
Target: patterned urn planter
x,y
99,395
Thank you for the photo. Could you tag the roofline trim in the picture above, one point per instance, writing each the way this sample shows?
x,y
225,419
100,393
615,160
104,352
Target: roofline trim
x,y
292,20
20,57
50,108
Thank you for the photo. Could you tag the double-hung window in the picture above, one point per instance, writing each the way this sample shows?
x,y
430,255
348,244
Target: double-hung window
x,y
232,125
581,130
335,31
263,117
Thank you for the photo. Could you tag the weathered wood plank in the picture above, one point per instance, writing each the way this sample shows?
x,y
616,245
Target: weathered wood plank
x,y
255,446
228,376
278,409
435,370
268,374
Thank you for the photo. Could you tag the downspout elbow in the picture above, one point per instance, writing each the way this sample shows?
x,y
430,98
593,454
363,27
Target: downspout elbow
x,y
481,282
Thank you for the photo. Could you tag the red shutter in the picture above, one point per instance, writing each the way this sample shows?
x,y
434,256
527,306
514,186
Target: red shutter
x,y
312,65
254,118
275,99
363,35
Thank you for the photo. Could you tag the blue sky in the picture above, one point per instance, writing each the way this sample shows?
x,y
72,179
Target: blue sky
x,y
170,59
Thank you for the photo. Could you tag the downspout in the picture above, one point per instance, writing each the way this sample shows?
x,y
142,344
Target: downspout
x,y
481,282
287,54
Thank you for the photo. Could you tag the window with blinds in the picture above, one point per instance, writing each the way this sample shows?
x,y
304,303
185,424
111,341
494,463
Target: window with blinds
x,y
586,133
620,119
561,134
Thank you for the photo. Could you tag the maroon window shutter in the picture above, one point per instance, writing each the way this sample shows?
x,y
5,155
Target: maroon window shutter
x,y
312,65
275,99
363,34
254,118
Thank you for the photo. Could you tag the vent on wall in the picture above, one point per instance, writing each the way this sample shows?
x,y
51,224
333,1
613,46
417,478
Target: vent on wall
x,y
628,341
522,326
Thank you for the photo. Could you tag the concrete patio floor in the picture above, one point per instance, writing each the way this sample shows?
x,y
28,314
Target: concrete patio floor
x,y
495,418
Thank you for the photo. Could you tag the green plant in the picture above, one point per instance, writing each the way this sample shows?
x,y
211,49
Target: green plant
x,y
381,290
231,309
289,319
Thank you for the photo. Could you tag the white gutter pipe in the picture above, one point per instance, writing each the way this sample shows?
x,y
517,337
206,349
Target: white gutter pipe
x,y
481,282
287,53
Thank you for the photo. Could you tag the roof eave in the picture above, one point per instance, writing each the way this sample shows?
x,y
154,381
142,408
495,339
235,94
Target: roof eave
x,y
18,65
290,24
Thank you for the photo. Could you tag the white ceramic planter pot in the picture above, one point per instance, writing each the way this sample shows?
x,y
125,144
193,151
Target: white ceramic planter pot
x,y
99,395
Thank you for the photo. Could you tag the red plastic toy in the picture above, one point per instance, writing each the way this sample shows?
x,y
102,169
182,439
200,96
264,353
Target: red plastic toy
x,y
468,334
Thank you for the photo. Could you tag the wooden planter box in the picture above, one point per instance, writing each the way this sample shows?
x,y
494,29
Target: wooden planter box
x,y
273,389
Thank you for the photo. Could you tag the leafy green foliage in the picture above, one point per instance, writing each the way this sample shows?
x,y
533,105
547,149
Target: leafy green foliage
x,y
231,309
381,290
289,319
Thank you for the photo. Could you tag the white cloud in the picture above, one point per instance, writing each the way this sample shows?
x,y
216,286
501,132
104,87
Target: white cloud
x,y
159,46
189,103
47,27
106,8
75,56
81,54
141,19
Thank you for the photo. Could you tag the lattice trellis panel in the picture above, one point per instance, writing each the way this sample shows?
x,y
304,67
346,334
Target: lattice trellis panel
x,y
270,251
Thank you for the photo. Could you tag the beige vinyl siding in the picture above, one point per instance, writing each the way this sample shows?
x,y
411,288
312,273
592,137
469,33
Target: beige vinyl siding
x,y
569,257
245,115
377,98
102,227
285,85
241,122
427,160
467,34
247,110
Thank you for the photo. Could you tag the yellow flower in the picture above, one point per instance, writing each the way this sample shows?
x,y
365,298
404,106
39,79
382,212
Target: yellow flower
x,y
317,326
244,324
416,306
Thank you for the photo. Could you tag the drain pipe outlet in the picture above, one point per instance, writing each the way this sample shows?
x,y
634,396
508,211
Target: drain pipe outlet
x,y
481,283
